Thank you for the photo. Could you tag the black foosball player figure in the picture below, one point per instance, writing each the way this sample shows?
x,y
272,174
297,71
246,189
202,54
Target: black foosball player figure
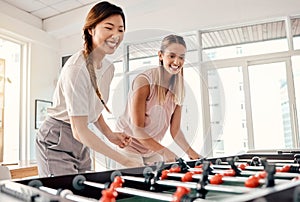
x,y
271,170
200,161
152,176
255,161
200,190
183,165
231,162
297,158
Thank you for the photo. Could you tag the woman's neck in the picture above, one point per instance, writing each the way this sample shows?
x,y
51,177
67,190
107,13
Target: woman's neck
x,y
97,59
166,76
165,79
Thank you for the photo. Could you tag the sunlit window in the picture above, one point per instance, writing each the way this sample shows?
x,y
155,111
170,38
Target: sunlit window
x,y
296,32
271,114
227,117
245,41
296,74
10,54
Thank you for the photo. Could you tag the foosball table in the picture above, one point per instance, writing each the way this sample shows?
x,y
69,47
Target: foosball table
x,y
245,177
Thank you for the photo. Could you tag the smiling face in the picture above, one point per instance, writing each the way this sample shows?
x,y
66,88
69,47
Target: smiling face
x,y
173,58
108,34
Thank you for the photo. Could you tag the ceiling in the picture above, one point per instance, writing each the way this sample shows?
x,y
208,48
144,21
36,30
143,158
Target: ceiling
x,y
44,9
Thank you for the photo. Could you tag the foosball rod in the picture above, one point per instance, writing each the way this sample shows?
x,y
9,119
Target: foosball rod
x,y
79,181
249,167
224,178
278,162
194,185
256,159
146,194
68,194
284,175
65,193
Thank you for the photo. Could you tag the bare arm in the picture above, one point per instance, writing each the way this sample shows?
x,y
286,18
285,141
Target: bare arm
x,y
120,139
83,134
103,127
141,92
178,135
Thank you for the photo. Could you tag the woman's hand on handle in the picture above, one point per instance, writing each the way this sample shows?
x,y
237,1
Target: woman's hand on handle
x,y
130,164
167,155
120,139
193,155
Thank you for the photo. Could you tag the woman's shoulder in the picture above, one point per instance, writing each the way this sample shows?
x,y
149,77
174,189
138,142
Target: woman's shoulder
x,y
149,73
145,78
75,65
77,59
108,65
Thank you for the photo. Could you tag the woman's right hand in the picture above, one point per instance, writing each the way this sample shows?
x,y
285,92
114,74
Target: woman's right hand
x,y
120,139
168,156
130,163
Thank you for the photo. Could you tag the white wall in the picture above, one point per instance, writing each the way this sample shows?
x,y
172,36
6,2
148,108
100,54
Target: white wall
x,y
44,71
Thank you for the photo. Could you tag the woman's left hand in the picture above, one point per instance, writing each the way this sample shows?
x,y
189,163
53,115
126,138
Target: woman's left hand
x,y
193,155
120,139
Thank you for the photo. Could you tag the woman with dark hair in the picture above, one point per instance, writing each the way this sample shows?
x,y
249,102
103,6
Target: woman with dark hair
x,y
154,105
64,139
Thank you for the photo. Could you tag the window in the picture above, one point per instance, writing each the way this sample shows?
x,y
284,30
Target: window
x,y
191,116
242,65
255,59
270,112
296,32
10,54
244,41
226,114
143,55
296,74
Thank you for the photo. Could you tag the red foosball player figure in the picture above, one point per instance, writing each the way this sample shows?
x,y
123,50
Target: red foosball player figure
x,y
180,191
110,194
187,177
216,179
284,169
252,182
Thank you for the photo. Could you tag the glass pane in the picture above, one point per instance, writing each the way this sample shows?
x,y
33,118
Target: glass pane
x,y
191,58
191,115
270,106
245,49
11,53
246,40
143,63
296,74
296,32
228,119
118,67
116,101
296,41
